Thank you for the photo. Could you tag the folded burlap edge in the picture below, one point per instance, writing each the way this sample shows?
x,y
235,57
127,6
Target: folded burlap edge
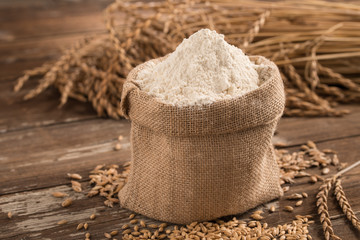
x,y
258,107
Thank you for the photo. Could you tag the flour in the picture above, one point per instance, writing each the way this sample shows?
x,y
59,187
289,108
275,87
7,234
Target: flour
x,y
203,69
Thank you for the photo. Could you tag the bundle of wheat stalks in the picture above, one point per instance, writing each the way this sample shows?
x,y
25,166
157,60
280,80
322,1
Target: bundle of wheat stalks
x,y
316,45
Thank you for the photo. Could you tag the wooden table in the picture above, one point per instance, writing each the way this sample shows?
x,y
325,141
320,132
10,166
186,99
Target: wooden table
x,y
40,143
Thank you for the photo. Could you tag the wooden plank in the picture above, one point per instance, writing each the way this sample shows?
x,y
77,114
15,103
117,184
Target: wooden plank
x,y
36,213
295,131
40,157
17,114
18,56
24,19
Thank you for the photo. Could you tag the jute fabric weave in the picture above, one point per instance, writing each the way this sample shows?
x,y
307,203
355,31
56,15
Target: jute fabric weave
x,y
202,162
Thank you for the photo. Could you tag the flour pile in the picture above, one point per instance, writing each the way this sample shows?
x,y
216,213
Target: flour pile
x,y
203,69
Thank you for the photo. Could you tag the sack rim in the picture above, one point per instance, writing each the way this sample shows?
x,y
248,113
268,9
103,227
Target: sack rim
x,y
244,104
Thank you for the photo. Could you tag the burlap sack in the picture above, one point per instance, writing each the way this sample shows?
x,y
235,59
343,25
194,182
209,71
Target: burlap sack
x,y
195,164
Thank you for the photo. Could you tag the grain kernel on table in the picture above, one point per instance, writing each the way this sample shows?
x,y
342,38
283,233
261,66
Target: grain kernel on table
x,y
80,226
59,194
62,222
74,176
299,203
118,146
67,202
294,196
256,216
288,208
313,179
142,223
325,171
272,208
92,216
134,221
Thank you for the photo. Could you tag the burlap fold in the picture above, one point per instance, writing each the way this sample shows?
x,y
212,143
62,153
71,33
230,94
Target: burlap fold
x,y
200,163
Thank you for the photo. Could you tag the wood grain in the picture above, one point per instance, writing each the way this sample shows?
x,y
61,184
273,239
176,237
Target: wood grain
x,y
39,157
296,131
17,114
40,143
29,19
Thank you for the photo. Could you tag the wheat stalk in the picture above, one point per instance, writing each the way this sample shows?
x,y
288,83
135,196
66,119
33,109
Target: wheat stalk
x,y
345,205
322,205
315,55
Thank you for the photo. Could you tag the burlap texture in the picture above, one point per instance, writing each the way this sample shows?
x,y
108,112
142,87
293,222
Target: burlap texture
x,y
200,163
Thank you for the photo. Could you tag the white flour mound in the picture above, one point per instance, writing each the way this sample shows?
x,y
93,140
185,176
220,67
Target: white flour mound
x,y
203,69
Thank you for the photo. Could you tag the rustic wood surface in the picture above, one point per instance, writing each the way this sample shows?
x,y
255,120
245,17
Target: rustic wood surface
x,y
40,143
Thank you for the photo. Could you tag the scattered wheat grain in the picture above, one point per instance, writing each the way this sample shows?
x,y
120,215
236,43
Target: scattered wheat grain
x,y
80,226
118,146
313,179
62,222
67,202
325,171
288,208
256,216
272,208
295,196
74,176
59,194
134,221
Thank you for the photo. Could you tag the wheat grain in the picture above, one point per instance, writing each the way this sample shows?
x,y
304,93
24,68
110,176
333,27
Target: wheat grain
x,y
256,216
76,186
59,194
288,208
298,203
134,221
125,226
67,202
325,171
62,222
74,176
80,226
272,208
313,179
9,215
118,146
295,196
